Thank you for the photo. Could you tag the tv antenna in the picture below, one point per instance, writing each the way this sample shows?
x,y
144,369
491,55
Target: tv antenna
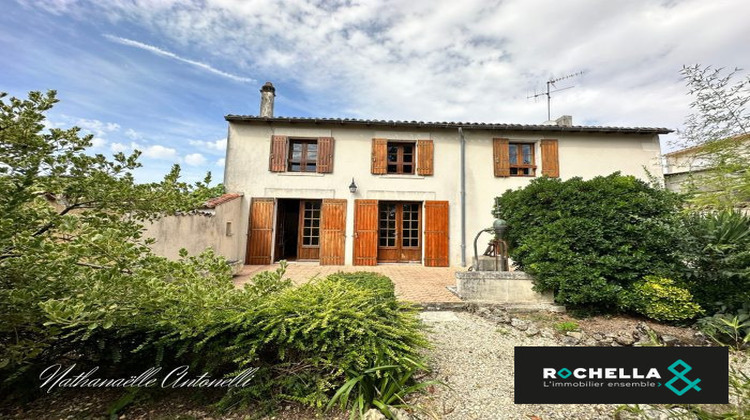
x,y
551,82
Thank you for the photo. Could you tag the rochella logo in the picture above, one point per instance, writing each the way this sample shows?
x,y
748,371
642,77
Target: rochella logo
x,y
680,375
600,373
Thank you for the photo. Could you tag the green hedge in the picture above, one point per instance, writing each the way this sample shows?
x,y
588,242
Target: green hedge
x,y
588,240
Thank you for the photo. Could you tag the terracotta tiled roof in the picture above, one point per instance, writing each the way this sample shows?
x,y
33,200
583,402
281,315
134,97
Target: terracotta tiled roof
x,y
215,202
445,125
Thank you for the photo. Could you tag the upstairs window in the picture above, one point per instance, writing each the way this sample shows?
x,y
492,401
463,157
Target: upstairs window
x,y
303,156
400,158
518,159
521,159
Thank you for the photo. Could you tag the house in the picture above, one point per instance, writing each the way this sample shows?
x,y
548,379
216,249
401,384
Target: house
x,y
364,192
681,167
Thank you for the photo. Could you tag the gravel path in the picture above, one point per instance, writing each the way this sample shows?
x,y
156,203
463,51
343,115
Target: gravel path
x,y
474,357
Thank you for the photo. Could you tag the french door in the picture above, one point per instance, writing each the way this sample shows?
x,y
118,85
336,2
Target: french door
x,y
399,232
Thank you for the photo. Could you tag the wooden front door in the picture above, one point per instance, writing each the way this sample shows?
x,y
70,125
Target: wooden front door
x,y
365,232
332,232
399,232
260,231
436,234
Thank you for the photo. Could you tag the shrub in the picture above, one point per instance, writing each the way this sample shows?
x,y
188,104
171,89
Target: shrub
x,y
728,328
312,339
660,299
589,240
717,252
566,326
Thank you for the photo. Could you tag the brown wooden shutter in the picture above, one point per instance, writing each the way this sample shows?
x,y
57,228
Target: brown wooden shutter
x,y
436,234
501,157
365,232
325,155
260,231
279,151
425,157
332,232
550,158
379,156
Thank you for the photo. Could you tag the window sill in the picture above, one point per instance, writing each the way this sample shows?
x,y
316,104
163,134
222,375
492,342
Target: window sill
x,y
299,174
400,176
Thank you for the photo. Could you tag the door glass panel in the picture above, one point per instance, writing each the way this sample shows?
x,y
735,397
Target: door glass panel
x,y
387,224
311,223
410,225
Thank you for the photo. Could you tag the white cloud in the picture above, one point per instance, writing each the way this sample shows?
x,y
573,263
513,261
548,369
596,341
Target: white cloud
x,y
159,152
119,147
211,146
132,134
155,151
195,159
220,162
165,53
96,127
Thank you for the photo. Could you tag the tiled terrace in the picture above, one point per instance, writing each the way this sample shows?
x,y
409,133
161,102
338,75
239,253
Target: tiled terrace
x,y
414,283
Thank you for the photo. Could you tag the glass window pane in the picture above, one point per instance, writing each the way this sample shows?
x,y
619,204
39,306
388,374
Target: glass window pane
x,y
513,153
294,167
310,167
407,169
296,155
527,154
408,148
391,169
514,171
407,158
297,147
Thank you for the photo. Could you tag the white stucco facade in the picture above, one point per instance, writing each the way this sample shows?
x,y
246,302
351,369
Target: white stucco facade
x,y
584,153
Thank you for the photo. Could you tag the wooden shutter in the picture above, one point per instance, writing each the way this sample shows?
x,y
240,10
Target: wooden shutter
x,y
379,156
279,151
550,158
260,231
436,230
325,155
425,157
501,157
365,232
332,232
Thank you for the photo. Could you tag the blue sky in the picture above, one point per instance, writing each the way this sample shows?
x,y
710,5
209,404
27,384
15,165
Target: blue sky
x,y
160,75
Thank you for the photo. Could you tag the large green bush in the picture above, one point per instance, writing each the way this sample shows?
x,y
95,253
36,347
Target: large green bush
x,y
717,253
660,299
588,240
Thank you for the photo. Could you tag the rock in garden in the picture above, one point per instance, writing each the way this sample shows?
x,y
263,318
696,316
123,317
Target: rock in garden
x,y
624,339
575,334
532,331
373,414
670,340
519,324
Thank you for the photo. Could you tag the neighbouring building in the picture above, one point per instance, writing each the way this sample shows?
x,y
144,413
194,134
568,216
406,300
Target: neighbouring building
x,y
681,165
363,192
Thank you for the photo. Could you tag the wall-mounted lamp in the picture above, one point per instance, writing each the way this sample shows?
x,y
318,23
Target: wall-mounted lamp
x,y
352,187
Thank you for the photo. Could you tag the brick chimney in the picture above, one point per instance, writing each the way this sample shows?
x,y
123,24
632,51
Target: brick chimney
x,y
267,93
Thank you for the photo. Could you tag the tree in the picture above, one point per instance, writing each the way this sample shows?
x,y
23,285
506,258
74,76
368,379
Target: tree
x,y
70,225
719,132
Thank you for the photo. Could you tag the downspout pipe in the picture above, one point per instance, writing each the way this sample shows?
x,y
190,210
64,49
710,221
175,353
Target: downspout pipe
x,y
462,193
